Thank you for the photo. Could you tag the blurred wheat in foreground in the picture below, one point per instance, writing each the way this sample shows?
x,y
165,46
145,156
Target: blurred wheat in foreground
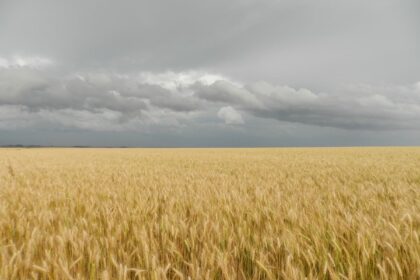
x,y
351,213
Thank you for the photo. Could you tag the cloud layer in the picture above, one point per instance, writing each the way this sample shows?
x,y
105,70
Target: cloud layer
x,y
31,95
239,72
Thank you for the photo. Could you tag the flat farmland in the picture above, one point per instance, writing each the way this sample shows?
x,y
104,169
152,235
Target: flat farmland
x,y
266,213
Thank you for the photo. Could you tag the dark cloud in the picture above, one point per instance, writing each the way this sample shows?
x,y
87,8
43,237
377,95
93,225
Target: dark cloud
x,y
126,97
37,90
375,110
226,92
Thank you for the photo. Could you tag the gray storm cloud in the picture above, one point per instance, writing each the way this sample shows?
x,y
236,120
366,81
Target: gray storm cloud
x,y
224,71
113,99
375,110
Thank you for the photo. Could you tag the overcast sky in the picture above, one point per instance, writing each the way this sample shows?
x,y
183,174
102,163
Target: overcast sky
x,y
210,73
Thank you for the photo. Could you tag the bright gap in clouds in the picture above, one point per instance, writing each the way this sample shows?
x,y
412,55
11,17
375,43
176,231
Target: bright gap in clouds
x,y
32,62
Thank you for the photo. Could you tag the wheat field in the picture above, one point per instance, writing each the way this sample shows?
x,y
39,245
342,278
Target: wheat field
x,y
272,213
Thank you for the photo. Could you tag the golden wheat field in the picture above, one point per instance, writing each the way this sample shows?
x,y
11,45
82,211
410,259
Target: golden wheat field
x,y
272,213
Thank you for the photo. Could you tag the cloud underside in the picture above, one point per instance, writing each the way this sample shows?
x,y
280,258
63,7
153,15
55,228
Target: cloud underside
x,y
33,96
